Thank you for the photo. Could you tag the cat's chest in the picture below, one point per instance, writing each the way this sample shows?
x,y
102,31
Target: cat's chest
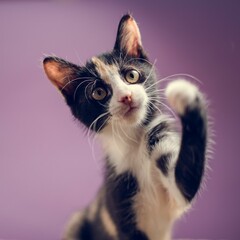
x,y
151,203
126,154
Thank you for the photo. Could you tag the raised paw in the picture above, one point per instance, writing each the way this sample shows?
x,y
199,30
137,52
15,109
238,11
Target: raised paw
x,y
181,95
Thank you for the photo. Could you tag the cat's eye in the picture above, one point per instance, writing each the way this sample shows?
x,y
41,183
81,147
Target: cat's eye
x,y
132,76
99,93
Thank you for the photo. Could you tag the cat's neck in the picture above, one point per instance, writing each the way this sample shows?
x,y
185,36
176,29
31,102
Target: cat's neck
x,y
122,146
121,135
118,139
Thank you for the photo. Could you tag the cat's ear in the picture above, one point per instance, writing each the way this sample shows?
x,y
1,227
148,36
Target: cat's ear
x,y
60,73
129,38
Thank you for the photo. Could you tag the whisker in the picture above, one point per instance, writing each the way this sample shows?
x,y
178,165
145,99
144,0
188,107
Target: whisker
x,y
115,110
93,125
156,97
94,140
85,90
119,135
73,80
104,105
75,92
124,132
186,75
95,120
173,76
113,133
94,84
154,106
157,90
158,81
168,108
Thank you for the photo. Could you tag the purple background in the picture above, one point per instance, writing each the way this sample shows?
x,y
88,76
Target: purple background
x,y
46,166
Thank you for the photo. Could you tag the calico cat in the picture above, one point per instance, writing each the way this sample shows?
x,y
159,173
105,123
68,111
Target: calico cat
x,y
152,173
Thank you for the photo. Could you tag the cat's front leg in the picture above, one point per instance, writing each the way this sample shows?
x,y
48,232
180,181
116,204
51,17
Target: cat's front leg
x,y
181,161
163,144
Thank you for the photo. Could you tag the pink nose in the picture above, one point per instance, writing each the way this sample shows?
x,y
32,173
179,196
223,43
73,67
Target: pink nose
x,y
126,100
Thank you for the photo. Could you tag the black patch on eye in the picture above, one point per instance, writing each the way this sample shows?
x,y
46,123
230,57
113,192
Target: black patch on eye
x,y
163,163
85,108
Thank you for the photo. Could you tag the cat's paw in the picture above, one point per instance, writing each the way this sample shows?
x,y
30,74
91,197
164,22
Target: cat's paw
x,y
181,95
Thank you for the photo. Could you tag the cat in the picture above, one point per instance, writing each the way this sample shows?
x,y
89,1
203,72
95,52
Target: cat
x,y
152,173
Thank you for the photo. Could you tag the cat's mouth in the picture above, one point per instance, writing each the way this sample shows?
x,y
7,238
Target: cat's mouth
x,y
132,114
131,110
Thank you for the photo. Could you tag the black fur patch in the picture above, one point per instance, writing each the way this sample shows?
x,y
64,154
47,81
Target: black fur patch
x,y
85,108
190,165
156,134
86,231
93,230
138,235
163,163
120,191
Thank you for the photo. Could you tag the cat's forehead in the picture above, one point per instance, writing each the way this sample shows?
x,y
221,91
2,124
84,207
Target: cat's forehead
x,y
105,69
112,66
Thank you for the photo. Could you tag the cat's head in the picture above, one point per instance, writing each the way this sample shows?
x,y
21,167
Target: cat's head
x,y
115,87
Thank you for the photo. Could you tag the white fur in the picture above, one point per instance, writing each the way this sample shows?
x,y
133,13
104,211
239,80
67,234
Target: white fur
x,y
180,94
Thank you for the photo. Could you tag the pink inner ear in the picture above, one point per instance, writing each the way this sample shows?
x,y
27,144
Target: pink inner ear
x,y
134,50
56,74
131,37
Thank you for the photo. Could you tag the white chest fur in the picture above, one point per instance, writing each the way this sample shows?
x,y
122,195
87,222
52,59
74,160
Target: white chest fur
x,y
126,149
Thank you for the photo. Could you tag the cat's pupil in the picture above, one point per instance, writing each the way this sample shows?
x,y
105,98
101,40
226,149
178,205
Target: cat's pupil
x,y
131,75
99,92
